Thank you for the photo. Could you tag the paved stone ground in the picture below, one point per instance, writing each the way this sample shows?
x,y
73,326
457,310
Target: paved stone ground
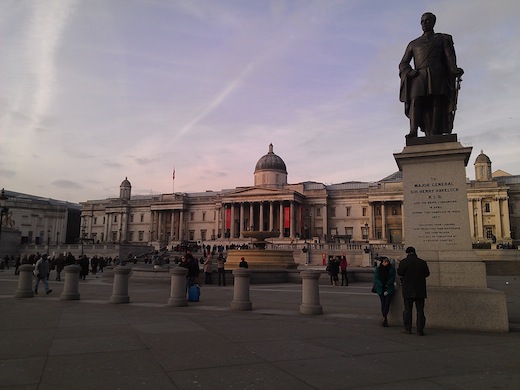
x,y
47,343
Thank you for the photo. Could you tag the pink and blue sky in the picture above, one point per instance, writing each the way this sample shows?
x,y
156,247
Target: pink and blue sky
x,y
95,91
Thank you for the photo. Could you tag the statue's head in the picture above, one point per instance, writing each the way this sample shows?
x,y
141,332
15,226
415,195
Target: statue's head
x,y
428,21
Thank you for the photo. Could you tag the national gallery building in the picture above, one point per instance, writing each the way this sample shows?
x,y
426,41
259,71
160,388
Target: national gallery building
x,y
349,212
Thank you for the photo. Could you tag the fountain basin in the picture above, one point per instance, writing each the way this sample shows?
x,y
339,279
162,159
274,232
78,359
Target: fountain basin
x,y
265,259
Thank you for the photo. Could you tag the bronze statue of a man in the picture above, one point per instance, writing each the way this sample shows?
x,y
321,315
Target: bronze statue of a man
x,y
429,90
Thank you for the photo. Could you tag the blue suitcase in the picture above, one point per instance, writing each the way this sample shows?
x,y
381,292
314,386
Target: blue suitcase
x,y
194,293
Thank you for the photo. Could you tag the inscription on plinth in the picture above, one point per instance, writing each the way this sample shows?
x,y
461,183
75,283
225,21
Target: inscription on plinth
x,y
436,211
435,200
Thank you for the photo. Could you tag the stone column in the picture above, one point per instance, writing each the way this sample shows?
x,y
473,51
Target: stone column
x,y
291,220
217,222
178,287
152,216
172,232
271,216
471,208
281,220
480,226
251,216
241,300
507,224
106,227
372,225
120,289
241,227
70,288
496,210
310,293
313,224
25,282
232,224
160,227
181,225
261,217
383,221
124,226
325,221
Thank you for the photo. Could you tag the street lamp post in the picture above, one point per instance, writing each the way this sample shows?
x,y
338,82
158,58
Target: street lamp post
x,y
4,210
83,228
367,247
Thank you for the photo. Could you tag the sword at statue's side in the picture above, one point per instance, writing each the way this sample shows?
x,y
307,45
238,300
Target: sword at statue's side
x,y
458,80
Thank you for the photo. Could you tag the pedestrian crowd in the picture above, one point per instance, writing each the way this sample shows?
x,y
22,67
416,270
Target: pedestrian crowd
x,y
412,272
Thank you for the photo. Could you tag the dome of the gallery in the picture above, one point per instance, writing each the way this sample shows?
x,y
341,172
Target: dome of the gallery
x,y
271,162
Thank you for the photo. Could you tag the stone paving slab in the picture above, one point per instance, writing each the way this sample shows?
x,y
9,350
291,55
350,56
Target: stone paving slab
x,y
47,343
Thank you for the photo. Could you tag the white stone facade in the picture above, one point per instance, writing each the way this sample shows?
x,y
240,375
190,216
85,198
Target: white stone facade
x,y
315,212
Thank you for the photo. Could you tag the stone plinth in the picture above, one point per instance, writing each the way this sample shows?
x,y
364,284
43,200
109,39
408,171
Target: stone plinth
x,y
25,282
436,223
178,287
70,288
310,293
462,308
120,289
435,196
241,299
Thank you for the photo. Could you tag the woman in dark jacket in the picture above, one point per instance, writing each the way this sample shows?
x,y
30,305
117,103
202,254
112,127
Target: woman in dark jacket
x,y
384,278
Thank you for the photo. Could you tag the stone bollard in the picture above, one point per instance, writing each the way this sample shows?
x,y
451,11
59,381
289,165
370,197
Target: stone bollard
x,y
241,290
310,293
120,290
25,282
70,288
178,287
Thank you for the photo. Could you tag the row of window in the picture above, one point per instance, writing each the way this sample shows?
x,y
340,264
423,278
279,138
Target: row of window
x,y
115,219
364,211
332,212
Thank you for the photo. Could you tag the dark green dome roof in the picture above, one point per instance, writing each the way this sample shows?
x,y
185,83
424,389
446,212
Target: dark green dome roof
x,y
270,162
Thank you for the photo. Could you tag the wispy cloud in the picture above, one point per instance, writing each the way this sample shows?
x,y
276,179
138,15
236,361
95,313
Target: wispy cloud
x,y
217,100
44,36
94,91
67,184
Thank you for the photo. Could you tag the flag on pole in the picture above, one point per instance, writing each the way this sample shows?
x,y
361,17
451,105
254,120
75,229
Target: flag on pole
x,y
173,181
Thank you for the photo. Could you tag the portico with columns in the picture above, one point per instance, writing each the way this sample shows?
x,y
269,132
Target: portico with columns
x,y
261,209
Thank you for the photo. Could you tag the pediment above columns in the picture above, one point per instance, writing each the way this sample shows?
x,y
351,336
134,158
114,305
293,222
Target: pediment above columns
x,y
258,194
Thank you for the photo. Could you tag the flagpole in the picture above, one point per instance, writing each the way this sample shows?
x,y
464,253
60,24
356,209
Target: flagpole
x,y
173,182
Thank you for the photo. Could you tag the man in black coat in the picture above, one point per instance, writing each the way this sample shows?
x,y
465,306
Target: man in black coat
x,y
413,272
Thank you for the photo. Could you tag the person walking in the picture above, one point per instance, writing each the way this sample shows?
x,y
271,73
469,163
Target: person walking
x,y
208,269
343,264
413,272
333,269
84,263
384,278
60,264
6,261
17,265
41,271
220,269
